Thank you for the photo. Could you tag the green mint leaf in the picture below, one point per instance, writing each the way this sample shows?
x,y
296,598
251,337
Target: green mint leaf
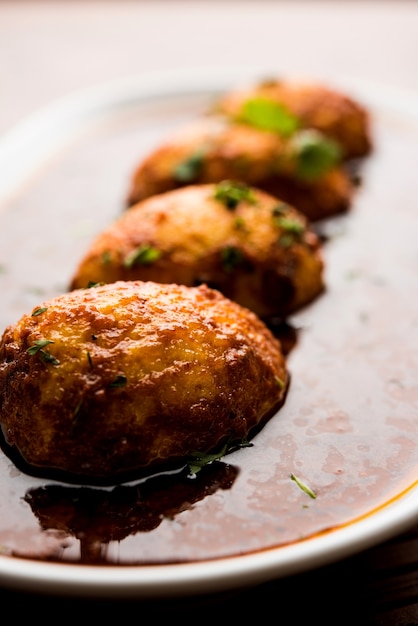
x,y
231,193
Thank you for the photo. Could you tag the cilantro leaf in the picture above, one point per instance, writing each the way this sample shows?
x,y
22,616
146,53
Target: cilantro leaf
x,y
268,115
145,254
120,381
188,170
39,311
231,257
303,486
231,193
315,154
200,459
39,348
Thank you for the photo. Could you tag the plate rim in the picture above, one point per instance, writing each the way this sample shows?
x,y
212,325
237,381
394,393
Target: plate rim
x,y
217,575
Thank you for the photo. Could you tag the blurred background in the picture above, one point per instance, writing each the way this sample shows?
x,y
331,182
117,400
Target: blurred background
x,y
50,48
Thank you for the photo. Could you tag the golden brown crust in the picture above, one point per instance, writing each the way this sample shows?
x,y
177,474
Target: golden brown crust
x,y
135,377
213,149
317,106
260,253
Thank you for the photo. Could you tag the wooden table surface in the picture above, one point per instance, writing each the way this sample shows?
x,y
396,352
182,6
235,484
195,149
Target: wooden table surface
x,y
50,49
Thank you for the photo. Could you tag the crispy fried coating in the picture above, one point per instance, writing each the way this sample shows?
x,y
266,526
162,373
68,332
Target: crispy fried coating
x,y
303,170
255,249
128,378
317,106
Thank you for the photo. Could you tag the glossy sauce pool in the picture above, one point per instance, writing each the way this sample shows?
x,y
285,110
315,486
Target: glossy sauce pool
x,y
349,427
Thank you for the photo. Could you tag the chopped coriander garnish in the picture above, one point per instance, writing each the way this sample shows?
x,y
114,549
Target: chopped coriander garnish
x,y
200,459
120,381
92,284
291,229
231,193
231,257
280,382
303,486
239,223
268,115
145,254
315,154
39,311
290,225
47,357
76,415
38,345
77,408
285,241
44,355
189,170
280,209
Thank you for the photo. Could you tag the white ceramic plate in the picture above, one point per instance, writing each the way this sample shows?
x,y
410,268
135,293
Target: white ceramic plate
x,y
350,424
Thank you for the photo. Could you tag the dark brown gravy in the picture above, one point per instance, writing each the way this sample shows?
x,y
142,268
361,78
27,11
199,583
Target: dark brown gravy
x,y
349,427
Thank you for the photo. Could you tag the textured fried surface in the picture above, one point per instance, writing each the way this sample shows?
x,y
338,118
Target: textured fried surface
x,y
260,253
134,376
317,106
212,149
